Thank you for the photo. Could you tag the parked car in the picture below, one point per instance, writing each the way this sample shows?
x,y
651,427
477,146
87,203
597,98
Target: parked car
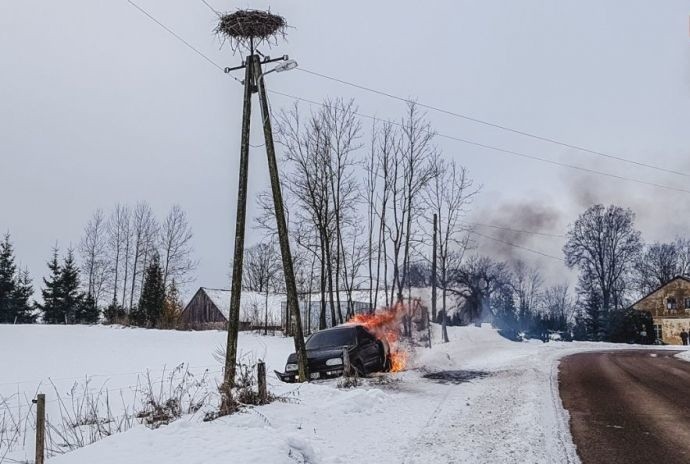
x,y
325,353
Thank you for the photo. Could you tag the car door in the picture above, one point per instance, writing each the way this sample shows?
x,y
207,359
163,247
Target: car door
x,y
368,348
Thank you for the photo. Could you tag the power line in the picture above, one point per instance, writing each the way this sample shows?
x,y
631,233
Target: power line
x,y
211,7
521,231
531,250
178,37
458,139
496,125
501,150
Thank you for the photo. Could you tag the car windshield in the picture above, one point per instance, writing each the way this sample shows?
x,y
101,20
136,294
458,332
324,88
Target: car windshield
x,y
329,338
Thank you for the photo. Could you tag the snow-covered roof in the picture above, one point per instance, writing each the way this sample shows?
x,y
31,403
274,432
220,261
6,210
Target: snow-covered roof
x,y
220,297
253,305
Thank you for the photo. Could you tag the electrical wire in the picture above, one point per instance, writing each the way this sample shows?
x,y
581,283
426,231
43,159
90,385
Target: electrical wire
x,y
501,150
495,125
521,231
450,137
178,37
211,7
515,245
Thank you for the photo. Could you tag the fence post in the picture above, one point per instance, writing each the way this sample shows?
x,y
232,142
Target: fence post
x,y
40,402
347,368
261,374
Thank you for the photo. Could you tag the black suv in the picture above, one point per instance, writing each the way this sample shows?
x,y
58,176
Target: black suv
x,y
325,352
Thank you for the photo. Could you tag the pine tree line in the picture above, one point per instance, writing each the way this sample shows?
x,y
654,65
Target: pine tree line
x,y
15,288
63,300
130,261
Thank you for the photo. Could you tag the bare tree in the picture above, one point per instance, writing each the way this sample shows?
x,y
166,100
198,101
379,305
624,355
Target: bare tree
x,y
118,234
93,250
260,265
144,231
448,195
659,263
527,283
372,168
307,151
655,266
559,305
386,143
604,244
683,248
343,131
262,272
175,247
475,282
412,171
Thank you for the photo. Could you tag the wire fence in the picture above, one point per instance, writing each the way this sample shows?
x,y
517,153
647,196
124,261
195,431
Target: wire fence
x,y
85,414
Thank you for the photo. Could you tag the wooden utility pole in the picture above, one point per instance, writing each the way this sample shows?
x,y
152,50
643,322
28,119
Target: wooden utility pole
x,y
236,287
433,270
283,238
40,428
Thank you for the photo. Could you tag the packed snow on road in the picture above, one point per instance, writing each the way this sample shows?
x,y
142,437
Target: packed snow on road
x,y
479,398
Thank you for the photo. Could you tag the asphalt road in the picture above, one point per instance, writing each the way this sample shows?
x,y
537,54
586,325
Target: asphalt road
x,y
628,406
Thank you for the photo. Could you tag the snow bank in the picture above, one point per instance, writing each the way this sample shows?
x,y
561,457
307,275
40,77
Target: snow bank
x,y
512,415
685,354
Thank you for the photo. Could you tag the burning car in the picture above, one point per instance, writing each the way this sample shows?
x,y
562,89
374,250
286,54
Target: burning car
x,y
326,353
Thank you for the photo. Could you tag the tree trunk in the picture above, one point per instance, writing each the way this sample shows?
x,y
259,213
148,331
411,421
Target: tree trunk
x,y
322,314
329,273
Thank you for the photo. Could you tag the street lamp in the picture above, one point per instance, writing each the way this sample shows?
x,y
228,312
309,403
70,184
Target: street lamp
x,y
287,65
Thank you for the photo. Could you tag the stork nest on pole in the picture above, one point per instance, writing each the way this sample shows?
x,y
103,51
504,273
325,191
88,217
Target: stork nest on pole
x,y
250,28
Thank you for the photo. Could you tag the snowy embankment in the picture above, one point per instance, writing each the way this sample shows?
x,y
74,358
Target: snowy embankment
x,y
513,414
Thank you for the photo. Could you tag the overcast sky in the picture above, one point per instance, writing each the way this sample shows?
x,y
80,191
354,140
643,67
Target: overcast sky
x,y
101,106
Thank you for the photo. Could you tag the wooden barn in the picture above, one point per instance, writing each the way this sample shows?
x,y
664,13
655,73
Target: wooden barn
x,y
669,306
209,308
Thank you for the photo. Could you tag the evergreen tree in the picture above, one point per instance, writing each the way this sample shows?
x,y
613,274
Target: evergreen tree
x,y
172,308
52,307
505,314
15,288
23,289
153,294
72,298
87,311
114,314
7,280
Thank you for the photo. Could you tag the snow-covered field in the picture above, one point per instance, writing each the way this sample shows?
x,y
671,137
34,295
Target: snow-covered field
x,y
512,415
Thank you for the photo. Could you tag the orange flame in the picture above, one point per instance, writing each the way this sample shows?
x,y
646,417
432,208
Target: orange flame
x,y
385,325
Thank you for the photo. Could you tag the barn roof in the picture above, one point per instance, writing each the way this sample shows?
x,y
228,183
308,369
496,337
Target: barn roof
x,y
220,298
250,302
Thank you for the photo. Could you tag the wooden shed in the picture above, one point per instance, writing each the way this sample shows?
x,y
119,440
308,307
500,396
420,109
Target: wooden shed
x,y
209,308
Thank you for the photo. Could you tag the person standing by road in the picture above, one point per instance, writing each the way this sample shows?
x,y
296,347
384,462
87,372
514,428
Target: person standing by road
x,y
684,336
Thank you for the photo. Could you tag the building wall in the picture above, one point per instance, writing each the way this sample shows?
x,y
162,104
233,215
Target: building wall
x,y
670,321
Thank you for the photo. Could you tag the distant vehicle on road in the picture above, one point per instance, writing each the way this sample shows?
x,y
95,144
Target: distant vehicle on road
x,y
325,353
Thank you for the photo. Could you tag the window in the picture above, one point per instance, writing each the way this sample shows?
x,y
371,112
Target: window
x,y
687,303
331,338
658,332
671,303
